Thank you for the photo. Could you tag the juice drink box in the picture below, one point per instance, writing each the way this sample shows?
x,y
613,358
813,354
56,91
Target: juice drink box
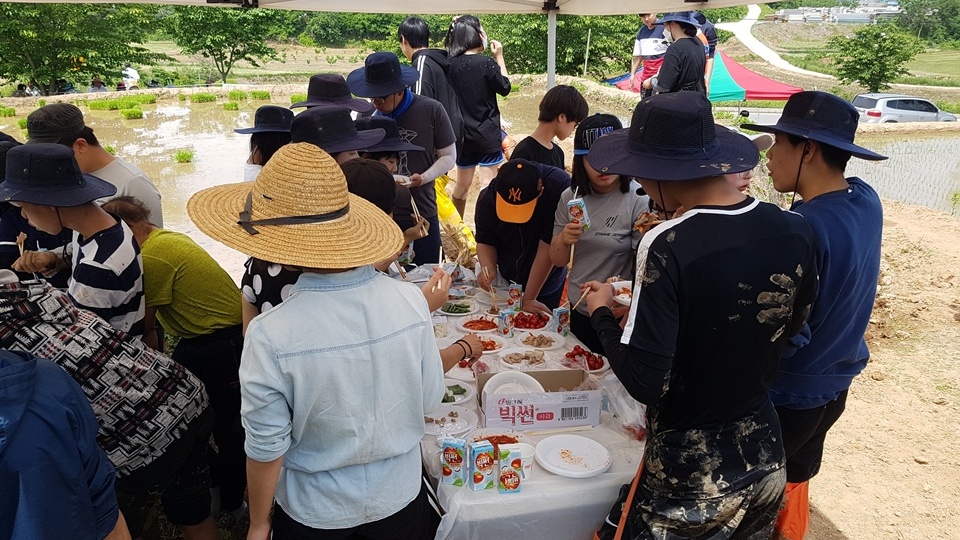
x,y
561,321
453,466
505,322
578,212
510,467
515,296
483,465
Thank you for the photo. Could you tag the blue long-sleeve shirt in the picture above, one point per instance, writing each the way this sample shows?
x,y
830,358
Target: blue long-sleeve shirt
x,y
830,351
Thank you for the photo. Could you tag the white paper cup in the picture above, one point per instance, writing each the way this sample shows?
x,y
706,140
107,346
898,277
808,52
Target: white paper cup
x,y
527,453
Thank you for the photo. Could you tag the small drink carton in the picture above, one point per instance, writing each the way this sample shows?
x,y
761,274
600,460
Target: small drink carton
x,y
453,467
511,469
561,321
483,465
515,295
505,322
578,212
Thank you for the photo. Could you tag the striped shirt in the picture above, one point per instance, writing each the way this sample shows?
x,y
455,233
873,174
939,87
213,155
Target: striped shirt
x,y
108,278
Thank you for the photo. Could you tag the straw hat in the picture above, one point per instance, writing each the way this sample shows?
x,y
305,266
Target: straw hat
x,y
297,212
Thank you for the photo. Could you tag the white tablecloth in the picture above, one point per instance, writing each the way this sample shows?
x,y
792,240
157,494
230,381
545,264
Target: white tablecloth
x,y
549,507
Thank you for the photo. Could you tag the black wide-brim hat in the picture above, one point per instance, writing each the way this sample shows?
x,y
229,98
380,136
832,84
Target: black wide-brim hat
x,y
820,117
332,130
672,138
391,141
331,89
47,174
270,119
381,75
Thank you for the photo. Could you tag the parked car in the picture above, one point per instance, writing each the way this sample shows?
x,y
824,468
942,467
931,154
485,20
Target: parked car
x,y
883,108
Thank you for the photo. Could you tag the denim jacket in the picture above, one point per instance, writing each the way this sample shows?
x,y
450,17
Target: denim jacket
x,y
336,380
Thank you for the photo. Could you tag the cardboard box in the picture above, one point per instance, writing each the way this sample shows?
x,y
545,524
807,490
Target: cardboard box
x,y
543,410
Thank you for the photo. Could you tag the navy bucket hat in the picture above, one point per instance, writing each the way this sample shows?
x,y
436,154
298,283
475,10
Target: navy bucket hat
x,y
381,75
332,130
47,173
327,89
270,118
820,117
681,16
672,138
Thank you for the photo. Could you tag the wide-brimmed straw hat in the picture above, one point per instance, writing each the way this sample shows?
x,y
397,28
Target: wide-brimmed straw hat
x,y
332,89
391,141
672,137
820,117
297,212
47,173
270,119
381,75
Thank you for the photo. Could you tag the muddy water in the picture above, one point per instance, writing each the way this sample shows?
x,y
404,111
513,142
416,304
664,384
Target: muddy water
x,y
922,170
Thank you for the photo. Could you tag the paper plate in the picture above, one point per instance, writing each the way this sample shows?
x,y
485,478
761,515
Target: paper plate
x,y
511,382
483,297
465,421
623,299
523,365
558,340
573,456
473,309
492,432
461,398
499,341
402,180
603,369
462,321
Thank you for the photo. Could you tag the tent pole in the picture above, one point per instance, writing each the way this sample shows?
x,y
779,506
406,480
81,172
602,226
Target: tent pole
x,y
551,48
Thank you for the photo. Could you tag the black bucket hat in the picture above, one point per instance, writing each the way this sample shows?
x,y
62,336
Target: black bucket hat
x,y
820,117
671,138
332,89
381,75
47,173
392,141
332,130
270,118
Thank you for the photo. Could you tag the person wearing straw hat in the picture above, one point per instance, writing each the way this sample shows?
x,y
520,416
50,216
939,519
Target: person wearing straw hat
x,y
331,90
814,141
107,278
423,122
514,218
605,249
718,293
685,60
270,131
96,85
331,456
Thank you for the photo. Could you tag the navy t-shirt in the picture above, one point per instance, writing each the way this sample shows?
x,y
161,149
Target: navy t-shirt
x,y
516,244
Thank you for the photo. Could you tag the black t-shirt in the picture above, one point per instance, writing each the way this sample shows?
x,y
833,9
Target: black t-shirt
x,y
477,81
516,244
683,67
717,294
531,149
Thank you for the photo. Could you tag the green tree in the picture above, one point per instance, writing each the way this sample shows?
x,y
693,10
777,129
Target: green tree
x,y
934,20
45,42
225,35
875,55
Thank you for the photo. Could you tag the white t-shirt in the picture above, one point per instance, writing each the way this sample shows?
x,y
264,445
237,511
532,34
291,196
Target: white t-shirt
x,y
132,182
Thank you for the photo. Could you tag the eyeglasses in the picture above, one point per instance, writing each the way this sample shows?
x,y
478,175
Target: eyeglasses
x,y
382,99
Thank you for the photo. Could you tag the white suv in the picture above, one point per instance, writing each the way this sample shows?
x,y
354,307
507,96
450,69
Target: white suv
x,y
884,108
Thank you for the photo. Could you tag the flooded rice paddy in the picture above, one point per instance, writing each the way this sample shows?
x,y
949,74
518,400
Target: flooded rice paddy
x,y
923,169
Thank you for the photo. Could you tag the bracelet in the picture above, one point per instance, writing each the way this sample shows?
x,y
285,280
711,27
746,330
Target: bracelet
x,y
464,345
462,348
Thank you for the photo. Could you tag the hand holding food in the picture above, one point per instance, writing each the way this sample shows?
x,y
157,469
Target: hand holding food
x,y
571,232
598,295
416,180
485,278
44,262
437,288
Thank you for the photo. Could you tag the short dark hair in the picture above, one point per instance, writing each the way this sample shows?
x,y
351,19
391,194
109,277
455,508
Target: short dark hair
x,y
581,182
415,31
688,28
377,156
566,100
21,86
268,142
86,134
130,209
464,35
834,157
372,181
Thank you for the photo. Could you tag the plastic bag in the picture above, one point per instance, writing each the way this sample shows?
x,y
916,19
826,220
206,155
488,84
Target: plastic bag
x,y
631,414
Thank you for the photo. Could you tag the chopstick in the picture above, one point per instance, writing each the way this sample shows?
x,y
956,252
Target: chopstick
x,y
493,290
582,296
21,240
399,268
416,215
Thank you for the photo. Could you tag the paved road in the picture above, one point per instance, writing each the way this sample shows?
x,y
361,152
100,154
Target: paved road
x,y
741,29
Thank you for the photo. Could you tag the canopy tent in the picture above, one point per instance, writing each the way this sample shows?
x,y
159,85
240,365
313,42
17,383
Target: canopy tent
x,y
550,7
733,82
